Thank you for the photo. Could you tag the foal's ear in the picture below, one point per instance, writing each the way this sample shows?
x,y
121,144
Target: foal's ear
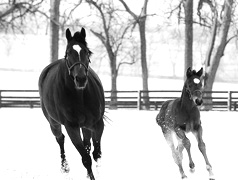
x,y
83,33
200,72
68,34
189,72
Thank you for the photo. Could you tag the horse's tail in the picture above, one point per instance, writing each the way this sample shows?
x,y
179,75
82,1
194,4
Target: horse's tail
x,y
106,119
160,118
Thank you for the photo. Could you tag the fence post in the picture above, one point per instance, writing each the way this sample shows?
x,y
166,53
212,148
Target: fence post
x,y
0,99
139,100
229,101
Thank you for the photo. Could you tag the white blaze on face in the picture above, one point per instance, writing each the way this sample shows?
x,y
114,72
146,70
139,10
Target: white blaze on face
x,y
77,48
196,80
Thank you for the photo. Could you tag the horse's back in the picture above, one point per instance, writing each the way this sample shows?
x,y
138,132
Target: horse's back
x,y
160,118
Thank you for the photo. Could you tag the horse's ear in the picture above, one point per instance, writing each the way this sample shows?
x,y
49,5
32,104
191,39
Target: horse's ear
x,y
83,33
200,72
68,34
189,72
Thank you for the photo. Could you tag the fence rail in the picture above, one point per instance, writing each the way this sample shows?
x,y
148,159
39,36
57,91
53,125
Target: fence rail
x,y
219,100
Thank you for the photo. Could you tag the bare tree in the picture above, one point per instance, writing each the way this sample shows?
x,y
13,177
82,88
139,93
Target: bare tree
x,y
13,13
217,45
218,21
113,32
186,6
188,11
54,29
141,21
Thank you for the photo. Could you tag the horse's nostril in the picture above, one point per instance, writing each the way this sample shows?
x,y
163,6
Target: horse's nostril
x,y
80,79
77,78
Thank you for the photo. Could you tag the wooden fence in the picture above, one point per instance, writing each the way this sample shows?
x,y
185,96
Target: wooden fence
x,y
221,100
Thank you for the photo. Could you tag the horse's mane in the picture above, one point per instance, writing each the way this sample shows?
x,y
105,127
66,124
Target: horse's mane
x,y
79,38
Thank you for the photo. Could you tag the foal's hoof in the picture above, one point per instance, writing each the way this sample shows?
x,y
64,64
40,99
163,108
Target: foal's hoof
x,y
184,177
192,170
191,165
65,167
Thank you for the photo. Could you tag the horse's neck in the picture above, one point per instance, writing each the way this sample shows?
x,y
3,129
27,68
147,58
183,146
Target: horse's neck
x,y
69,85
186,102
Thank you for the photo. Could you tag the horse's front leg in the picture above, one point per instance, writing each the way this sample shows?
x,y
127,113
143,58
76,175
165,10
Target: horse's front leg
x,y
56,130
87,135
97,135
202,148
74,134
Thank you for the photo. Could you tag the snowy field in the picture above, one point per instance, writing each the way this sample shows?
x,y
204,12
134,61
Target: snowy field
x,y
133,147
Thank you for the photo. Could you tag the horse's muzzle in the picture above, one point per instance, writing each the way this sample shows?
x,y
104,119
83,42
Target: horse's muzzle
x,y
198,102
197,97
80,82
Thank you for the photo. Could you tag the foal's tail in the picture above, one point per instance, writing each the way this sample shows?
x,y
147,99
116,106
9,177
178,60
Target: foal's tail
x,y
160,118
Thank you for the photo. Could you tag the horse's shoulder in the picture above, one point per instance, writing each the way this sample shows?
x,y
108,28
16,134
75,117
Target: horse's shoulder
x,y
47,69
94,76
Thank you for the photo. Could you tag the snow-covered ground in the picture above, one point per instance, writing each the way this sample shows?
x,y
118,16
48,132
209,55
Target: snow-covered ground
x,y
133,147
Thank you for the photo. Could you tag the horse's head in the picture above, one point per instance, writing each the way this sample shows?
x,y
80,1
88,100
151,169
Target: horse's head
x,y
193,85
77,58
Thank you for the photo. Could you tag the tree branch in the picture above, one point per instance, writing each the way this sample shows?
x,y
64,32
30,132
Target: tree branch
x,y
129,10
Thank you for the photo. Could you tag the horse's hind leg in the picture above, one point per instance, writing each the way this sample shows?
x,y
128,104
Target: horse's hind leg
x,y
176,153
180,148
97,135
186,143
56,130
202,148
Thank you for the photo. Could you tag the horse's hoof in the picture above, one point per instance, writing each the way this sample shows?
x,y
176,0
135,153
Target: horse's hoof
x,y
65,167
91,176
99,163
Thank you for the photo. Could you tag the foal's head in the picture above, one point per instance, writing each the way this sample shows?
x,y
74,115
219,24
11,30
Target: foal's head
x,y
77,58
193,85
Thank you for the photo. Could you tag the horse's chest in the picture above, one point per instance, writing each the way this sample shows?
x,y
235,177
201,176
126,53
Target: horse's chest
x,y
175,118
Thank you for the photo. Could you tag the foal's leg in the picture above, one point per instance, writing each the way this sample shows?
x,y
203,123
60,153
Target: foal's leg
x,y
180,148
175,153
74,134
186,143
97,135
56,130
202,148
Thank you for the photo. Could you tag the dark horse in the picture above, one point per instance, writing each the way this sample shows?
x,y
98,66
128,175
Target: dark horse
x,y
72,95
182,115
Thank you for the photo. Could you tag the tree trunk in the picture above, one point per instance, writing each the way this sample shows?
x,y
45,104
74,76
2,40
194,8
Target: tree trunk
x,y
144,63
113,104
211,68
142,25
141,21
54,29
188,9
